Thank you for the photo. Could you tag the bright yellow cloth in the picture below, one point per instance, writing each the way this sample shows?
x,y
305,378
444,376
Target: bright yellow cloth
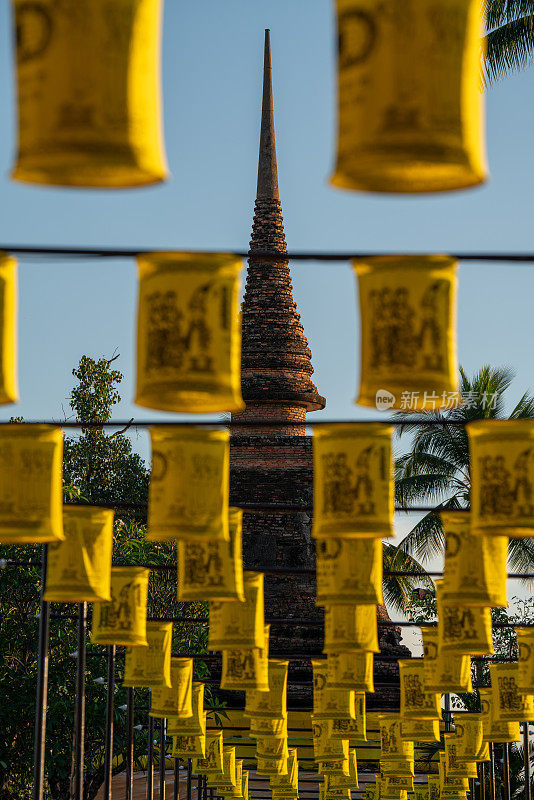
x,y
408,332
508,703
189,332
246,669
79,568
355,730
9,392
212,763
267,726
444,672
463,630
324,746
349,571
455,767
502,477
404,128
495,731
189,484
525,674
123,619
178,700
330,703
194,725
89,95
391,742
274,702
31,492
189,746
350,629
150,666
239,626
353,481
350,671
415,701
420,730
469,730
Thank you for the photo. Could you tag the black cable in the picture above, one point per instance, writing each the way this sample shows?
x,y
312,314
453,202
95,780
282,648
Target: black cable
x,y
242,423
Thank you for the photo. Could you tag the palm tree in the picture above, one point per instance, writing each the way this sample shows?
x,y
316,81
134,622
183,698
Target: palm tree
x,y
509,38
436,470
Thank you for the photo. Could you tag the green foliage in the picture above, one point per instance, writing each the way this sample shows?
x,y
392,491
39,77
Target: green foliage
x,y
509,38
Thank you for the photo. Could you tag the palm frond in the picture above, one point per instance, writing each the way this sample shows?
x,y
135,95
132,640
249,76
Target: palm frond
x,y
499,12
423,488
521,555
427,539
398,589
510,48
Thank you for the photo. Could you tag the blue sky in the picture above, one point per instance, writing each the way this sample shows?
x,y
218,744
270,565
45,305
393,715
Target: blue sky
x,y
212,75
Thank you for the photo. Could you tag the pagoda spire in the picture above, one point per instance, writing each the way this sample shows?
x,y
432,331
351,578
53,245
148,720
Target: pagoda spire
x,y
276,364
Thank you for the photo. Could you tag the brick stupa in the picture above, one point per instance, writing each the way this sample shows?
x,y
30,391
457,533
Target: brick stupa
x,y
275,465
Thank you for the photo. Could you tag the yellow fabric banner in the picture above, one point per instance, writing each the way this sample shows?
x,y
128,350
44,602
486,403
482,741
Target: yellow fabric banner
x,y
189,484
392,745
150,666
177,701
31,491
194,725
334,783
450,782
268,726
355,730
433,787
525,666
9,392
415,701
324,746
349,571
330,703
475,566
274,702
246,669
456,768
421,791
353,481
189,746
271,766
463,630
212,763
213,569
444,672
495,731
402,128
189,332
420,730
272,747
79,568
228,781
289,781
123,619
350,629
469,731
350,671
397,782
89,94
239,626
408,335
508,704
502,477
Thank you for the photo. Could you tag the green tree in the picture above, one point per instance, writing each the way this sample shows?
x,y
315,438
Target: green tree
x,y
510,36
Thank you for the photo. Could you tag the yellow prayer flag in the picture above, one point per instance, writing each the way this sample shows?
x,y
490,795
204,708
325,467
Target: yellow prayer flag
x,y
350,629
244,785
9,392
274,702
189,484
502,477
408,333
178,700
349,571
267,726
420,730
79,568
330,703
396,783
246,669
150,666
350,671
123,619
272,747
31,492
189,746
271,766
463,630
353,481
455,767
525,666
352,729
433,787
189,332
508,703
391,742
402,128
444,672
469,731
212,569
194,725
324,746
239,626
495,731
212,763
421,791
89,95
415,701
475,566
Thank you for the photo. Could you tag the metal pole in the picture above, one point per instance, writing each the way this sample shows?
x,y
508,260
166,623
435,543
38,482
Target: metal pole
x,y
189,774
472,788
447,713
79,711
129,744
526,759
492,771
150,759
108,762
42,687
162,742
176,794
200,786
482,776
506,769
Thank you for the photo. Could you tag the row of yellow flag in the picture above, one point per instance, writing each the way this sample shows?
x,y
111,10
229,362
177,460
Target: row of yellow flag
x,y
89,94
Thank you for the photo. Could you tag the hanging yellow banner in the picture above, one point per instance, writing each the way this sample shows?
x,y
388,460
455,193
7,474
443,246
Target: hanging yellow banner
x,y
421,791
396,783
194,725
150,666
463,630
177,701
31,492
271,747
494,731
349,571
189,746
469,731
324,746
444,672
408,335
239,626
353,481
289,781
350,629
475,566
415,701
9,392
267,726
355,730
271,766
433,787
350,671
420,730
189,484
89,94
502,477
455,767
525,665
330,703
213,569
244,785
246,669
274,702
123,619
392,745
450,782
508,704
189,332
402,128
212,763
79,568
229,775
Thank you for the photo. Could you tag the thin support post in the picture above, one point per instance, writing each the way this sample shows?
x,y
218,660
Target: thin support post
x,y
42,687
482,776
129,743
506,769
447,713
110,697
472,788
492,771
526,760
200,786
79,711
176,793
162,749
150,757
189,776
